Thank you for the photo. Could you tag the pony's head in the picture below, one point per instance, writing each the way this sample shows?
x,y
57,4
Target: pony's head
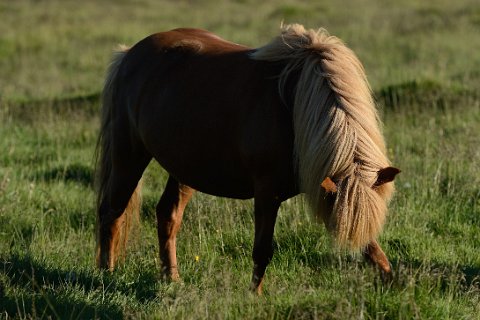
x,y
353,208
337,134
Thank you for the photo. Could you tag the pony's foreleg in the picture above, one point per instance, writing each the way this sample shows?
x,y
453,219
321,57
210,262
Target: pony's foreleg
x,y
169,218
266,209
375,255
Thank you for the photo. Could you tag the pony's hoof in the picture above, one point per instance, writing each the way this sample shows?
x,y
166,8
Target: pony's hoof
x,y
386,277
256,291
104,266
171,275
256,288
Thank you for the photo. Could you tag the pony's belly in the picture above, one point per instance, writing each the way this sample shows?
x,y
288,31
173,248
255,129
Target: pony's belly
x,y
218,178
229,189
200,149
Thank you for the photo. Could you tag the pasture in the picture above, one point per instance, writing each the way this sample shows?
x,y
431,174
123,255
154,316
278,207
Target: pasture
x,y
422,61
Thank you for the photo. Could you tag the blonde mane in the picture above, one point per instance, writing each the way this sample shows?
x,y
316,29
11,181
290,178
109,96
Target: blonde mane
x,y
337,131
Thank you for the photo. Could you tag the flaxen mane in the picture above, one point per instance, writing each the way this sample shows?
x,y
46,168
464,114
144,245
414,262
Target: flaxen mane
x,y
337,132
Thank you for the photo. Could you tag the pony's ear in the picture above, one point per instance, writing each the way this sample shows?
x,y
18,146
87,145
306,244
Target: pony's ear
x,y
386,175
329,185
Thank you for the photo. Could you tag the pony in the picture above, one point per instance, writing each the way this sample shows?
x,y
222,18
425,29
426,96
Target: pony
x,y
293,116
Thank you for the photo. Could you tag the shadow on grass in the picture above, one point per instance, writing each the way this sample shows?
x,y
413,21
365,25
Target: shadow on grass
x,y
406,265
461,278
420,94
76,172
441,276
48,305
41,291
32,110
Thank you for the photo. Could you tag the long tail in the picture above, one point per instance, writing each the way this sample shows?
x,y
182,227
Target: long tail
x,y
337,133
104,159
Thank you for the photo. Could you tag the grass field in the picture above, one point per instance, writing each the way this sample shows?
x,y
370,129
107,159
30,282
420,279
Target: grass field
x,y
423,62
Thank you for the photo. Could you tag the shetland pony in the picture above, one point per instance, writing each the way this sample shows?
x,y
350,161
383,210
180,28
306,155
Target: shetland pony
x,y
295,115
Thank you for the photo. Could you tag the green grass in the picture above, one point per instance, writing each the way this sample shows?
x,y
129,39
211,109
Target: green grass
x,y
422,61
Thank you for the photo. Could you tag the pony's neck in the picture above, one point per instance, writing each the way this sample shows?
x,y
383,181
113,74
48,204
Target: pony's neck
x,y
288,90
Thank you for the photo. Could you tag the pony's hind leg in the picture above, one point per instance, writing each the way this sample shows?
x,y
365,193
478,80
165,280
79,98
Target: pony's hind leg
x,y
375,255
169,218
119,201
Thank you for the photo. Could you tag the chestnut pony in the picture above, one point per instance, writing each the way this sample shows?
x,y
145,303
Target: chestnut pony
x,y
295,115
